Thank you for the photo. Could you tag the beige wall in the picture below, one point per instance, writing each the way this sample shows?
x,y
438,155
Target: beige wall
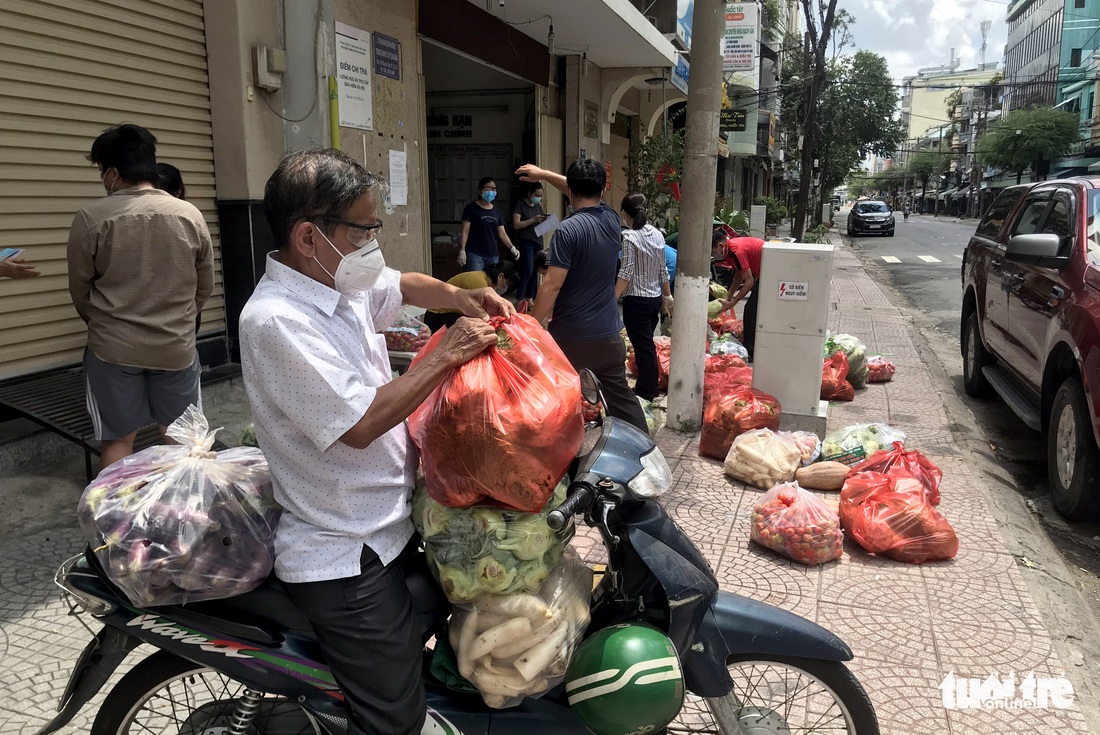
x,y
579,90
399,124
929,108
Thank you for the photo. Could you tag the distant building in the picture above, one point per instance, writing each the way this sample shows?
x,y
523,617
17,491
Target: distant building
x,y
924,96
1050,43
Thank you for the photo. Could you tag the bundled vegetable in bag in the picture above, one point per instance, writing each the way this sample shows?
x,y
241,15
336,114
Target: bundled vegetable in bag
x,y
901,526
503,428
516,646
808,443
853,444
834,379
652,416
180,523
899,462
727,344
797,524
408,334
855,351
727,416
879,369
763,458
483,550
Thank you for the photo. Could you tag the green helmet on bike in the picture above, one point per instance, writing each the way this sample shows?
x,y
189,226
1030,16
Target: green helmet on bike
x,y
624,680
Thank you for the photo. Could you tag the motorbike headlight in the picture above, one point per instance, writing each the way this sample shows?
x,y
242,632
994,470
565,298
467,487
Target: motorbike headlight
x,y
655,477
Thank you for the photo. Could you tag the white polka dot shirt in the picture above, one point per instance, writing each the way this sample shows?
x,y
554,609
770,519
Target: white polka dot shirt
x,y
312,360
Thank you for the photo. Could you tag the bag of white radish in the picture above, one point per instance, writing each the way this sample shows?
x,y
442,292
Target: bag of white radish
x,y
485,550
763,458
516,646
180,523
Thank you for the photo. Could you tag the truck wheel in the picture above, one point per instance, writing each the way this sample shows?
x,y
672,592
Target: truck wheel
x,y
975,357
1073,459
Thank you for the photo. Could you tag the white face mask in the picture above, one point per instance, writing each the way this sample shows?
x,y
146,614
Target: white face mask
x,y
358,271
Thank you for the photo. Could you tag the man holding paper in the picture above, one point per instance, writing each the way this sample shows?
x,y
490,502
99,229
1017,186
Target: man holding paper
x,y
527,219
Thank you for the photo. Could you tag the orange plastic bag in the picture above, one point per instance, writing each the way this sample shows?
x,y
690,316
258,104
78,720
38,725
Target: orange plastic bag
x,y
902,463
903,527
860,486
727,323
501,429
722,363
716,384
834,379
727,416
664,361
879,369
797,524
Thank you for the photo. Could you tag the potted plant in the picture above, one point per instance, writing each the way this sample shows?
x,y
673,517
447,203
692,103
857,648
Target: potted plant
x,y
775,213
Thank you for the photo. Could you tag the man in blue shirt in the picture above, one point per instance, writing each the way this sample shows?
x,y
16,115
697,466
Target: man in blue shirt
x,y
579,287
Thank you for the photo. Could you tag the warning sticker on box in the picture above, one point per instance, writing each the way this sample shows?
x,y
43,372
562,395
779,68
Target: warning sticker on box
x,y
794,290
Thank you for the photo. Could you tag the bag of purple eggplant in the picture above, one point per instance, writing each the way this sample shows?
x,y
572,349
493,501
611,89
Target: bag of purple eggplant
x,y
181,523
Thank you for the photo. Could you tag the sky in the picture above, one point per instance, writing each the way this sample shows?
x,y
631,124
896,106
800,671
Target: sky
x,y
912,34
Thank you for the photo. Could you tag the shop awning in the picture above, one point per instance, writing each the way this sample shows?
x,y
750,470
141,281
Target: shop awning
x,y
961,193
944,194
614,32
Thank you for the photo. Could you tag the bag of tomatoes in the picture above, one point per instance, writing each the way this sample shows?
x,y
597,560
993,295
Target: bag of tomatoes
x,y
797,524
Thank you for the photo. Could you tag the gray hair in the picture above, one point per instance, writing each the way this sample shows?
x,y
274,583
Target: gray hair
x,y
313,184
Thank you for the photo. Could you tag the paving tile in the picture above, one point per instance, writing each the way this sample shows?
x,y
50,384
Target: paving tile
x,y
763,575
894,638
906,697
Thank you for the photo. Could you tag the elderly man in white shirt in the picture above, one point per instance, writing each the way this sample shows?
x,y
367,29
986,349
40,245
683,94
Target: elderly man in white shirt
x,y
331,423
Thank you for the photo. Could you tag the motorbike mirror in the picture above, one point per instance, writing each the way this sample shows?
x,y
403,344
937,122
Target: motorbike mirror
x,y
590,386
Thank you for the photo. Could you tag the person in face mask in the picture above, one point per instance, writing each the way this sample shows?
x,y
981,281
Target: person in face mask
x,y
527,215
483,230
500,277
331,422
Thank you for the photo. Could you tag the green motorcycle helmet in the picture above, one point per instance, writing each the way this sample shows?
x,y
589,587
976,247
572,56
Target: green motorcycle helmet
x,y
625,680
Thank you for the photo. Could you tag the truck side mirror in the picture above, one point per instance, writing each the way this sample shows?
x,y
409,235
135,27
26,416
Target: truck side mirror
x,y
1042,250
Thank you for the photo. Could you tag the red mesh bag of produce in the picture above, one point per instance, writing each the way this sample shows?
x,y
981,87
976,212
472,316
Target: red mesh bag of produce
x,y
722,363
727,416
901,463
901,526
727,323
501,429
834,379
879,369
797,524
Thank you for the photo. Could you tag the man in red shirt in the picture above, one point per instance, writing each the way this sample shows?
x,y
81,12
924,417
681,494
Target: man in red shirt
x,y
741,257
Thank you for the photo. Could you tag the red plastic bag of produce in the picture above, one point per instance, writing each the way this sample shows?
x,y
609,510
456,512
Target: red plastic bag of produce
x,y
834,379
179,523
797,524
501,429
408,334
727,323
727,416
664,364
879,369
722,363
902,463
903,527
716,384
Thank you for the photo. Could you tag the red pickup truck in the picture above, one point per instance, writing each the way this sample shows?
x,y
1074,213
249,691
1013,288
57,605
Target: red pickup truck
x,y
1031,325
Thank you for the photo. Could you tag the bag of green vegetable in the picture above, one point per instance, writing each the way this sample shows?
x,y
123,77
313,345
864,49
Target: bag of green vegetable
x,y
516,646
727,344
797,524
408,334
718,291
248,436
180,523
482,550
503,428
853,444
652,415
763,458
856,352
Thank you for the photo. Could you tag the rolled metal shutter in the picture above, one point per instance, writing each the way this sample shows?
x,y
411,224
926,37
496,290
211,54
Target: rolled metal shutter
x,y
68,70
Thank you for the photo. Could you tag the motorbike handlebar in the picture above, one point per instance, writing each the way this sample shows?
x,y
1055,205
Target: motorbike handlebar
x,y
580,497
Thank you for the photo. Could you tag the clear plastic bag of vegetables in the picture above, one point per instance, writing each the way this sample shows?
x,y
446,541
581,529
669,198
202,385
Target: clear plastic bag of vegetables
x,y
181,523
503,428
853,444
855,351
652,415
516,646
483,550
797,524
763,458
408,334
879,369
733,413
727,344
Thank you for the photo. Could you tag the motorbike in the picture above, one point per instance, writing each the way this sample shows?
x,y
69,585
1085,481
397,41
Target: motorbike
x,y
251,664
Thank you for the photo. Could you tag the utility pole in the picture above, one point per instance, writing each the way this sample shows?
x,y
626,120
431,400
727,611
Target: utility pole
x,y
689,334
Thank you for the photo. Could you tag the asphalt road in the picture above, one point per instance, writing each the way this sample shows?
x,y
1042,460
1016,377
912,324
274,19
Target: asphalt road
x,y
921,265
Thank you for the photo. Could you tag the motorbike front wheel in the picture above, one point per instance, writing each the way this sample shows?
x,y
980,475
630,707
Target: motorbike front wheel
x,y
782,696
167,694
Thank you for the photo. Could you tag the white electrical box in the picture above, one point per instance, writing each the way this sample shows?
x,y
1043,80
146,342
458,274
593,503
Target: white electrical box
x,y
790,329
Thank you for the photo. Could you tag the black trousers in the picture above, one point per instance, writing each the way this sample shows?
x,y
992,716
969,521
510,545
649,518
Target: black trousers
x,y
749,318
640,315
365,627
607,359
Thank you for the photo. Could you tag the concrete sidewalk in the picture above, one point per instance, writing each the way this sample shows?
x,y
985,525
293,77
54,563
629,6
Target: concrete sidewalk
x,y
909,626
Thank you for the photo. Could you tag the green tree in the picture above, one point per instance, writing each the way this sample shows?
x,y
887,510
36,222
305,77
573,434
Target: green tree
x,y
953,100
1026,138
654,164
923,164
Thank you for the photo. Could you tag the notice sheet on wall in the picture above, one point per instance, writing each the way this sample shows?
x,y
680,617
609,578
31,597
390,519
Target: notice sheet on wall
x,y
353,70
399,178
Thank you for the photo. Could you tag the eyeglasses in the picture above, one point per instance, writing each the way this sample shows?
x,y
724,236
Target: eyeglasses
x,y
358,234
